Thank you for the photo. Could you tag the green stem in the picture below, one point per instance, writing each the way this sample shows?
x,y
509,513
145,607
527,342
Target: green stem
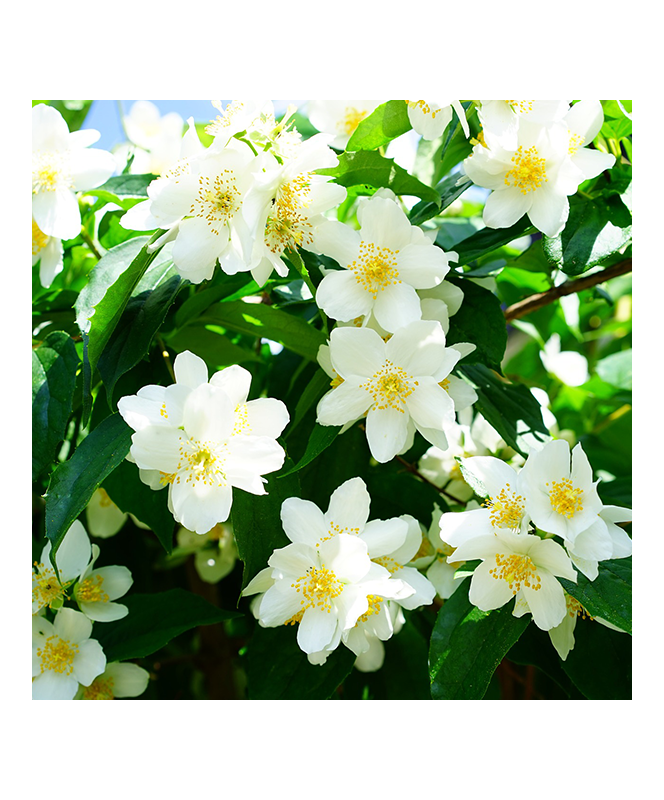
x,y
86,238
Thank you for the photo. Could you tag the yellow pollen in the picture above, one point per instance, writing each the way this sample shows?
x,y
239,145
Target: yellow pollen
x,y
241,420
46,588
575,141
200,462
336,381
505,509
574,608
480,139
319,587
49,172
375,267
424,107
374,608
165,478
163,411
39,239
517,570
99,689
389,563
90,591
351,119
223,121
426,549
57,655
565,498
217,201
390,387
529,172
520,106
445,384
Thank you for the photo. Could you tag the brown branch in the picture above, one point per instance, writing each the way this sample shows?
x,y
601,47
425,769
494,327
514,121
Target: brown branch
x,y
536,301
413,469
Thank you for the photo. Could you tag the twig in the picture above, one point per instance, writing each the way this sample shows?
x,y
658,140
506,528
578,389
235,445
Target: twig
x,y
166,356
90,243
413,469
536,301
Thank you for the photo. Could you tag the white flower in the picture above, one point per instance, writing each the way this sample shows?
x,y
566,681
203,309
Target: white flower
x,y
63,164
49,252
602,540
291,200
531,175
340,117
326,579
393,382
96,589
372,659
500,118
384,263
433,555
73,556
562,636
584,121
104,518
430,118
117,680
254,121
204,438
568,366
522,566
215,552
158,137
561,498
63,655
504,506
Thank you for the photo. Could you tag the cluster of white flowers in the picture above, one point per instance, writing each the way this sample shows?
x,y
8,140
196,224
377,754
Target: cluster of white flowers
x,y
244,200
536,524
66,662
343,578
63,163
201,438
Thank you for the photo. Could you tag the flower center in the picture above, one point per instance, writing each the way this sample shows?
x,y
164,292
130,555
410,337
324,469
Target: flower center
x,y
375,267
351,119
90,591
39,239
517,570
49,172
200,462
390,387
218,199
99,689
45,586
565,498
505,509
57,655
319,587
528,172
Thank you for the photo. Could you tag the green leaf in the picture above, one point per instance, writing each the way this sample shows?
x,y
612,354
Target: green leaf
x,y
467,645
257,319
201,300
449,189
595,230
74,481
101,302
616,369
155,619
213,347
143,315
278,670
509,407
257,522
480,321
321,438
609,596
385,123
123,186
488,239
368,167
131,495
314,390
54,365
600,665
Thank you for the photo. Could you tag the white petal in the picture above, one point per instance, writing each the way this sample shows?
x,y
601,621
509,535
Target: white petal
x,y
303,521
504,207
345,403
190,370
349,505
356,351
387,429
547,604
397,305
341,296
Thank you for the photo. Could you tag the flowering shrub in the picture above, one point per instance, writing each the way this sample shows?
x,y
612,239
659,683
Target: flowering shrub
x,y
333,401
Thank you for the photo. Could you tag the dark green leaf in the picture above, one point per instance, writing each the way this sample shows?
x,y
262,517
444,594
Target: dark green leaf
x,y
449,189
385,123
509,407
595,230
321,438
314,390
257,522
368,167
120,186
257,319
131,495
278,670
213,347
140,321
488,239
101,302
201,300
155,619
480,321
54,365
600,665
74,481
467,645
609,596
